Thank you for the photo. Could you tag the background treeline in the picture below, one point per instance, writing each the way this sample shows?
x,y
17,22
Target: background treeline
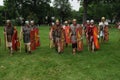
x,y
43,13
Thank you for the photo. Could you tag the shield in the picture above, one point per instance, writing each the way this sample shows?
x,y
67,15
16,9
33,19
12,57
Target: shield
x,y
95,38
32,40
79,39
67,35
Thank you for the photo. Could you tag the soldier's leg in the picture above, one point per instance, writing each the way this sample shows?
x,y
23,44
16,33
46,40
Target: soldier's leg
x,y
59,49
29,48
66,44
93,46
10,48
25,47
74,47
50,43
56,44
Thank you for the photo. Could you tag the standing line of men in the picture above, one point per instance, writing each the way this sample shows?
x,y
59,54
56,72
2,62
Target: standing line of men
x,y
60,36
73,34
29,33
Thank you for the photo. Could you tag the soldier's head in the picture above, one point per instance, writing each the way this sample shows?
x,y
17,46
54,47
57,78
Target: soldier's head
x,y
92,22
88,22
103,19
27,22
8,22
66,23
52,24
57,22
74,21
32,22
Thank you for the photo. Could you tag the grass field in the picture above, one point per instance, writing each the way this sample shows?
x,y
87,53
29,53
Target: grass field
x,y
46,64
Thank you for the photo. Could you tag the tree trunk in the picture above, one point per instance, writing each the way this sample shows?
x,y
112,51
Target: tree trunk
x,y
85,5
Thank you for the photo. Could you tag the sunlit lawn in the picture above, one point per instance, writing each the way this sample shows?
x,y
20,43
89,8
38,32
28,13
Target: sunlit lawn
x,y
46,64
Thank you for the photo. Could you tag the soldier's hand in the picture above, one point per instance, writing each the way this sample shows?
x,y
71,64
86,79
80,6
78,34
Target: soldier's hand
x,y
4,33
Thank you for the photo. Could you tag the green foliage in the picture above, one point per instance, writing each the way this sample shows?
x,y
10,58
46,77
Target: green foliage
x,y
95,9
2,15
63,9
24,8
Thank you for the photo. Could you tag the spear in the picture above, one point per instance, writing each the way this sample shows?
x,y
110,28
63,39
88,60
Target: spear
x,y
20,39
5,39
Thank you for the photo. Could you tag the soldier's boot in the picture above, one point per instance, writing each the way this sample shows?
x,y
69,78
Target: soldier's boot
x,y
11,51
29,49
59,51
74,51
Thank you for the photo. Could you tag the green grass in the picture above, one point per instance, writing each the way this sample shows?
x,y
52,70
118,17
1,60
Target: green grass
x,y
46,64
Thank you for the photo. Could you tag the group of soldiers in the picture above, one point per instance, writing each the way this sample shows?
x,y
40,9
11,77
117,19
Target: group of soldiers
x,y
63,35
29,34
60,36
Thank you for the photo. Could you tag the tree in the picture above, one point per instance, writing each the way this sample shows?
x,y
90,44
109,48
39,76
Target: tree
x,y
2,16
85,4
63,9
24,8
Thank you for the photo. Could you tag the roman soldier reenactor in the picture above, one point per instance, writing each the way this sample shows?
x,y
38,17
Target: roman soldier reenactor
x,y
103,30
25,31
8,34
66,28
92,33
59,37
85,30
76,37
